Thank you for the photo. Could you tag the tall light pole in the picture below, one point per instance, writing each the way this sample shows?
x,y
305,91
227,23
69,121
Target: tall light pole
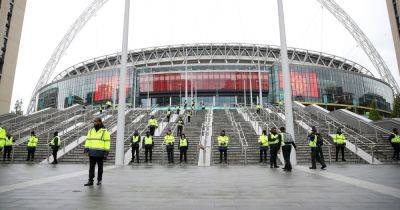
x,y
260,101
119,149
287,89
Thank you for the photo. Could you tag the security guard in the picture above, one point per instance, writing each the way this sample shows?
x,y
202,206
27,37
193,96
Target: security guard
x,y
223,141
274,145
394,139
108,105
286,143
178,110
101,109
180,126
340,143
148,146
97,146
135,146
203,107
315,143
32,144
189,115
3,136
55,145
185,105
168,115
8,147
169,141
263,141
258,107
153,124
183,147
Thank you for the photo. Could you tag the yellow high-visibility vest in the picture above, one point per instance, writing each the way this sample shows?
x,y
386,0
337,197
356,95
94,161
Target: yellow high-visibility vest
x,y
135,139
263,139
183,142
148,140
169,139
52,143
153,122
313,143
339,139
9,141
98,140
223,141
396,139
32,142
274,138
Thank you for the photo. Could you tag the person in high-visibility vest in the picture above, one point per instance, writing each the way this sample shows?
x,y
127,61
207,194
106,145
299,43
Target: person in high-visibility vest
x,y
189,115
263,141
97,147
101,109
185,105
108,105
223,141
258,107
8,147
394,139
183,147
286,142
153,124
55,145
340,143
135,143
168,114
148,145
3,136
31,147
178,110
169,141
181,123
274,145
315,143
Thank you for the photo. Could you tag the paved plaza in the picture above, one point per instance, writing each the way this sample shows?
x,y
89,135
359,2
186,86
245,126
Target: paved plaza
x,y
41,186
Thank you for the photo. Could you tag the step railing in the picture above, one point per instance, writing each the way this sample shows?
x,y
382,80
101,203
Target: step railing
x,y
238,129
204,133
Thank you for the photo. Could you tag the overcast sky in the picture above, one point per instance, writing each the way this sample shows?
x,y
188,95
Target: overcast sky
x,y
167,22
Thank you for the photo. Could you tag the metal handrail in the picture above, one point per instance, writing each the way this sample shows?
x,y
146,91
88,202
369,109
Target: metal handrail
x,y
242,138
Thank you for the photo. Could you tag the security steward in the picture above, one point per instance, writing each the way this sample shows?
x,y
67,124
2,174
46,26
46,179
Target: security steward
x,y
148,145
189,115
263,141
258,107
3,136
394,139
55,145
340,143
274,145
8,146
97,147
286,142
153,124
169,141
32,144
183,147
135,143
168,115
180,126
315,143
223,141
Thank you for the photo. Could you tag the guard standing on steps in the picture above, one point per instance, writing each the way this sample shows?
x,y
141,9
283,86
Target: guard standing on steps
x,y
189,115
394,139
153,124
203,107
168,115
135,146
180,126
169,140
148,147
32,144
185,105
258,107
183,147
55,145
97,147
3,136
178,110
315,143
287,143
274,145
263,141
340,143
8,147
101,109
223,141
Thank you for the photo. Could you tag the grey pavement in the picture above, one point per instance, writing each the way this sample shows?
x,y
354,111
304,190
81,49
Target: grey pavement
x,y
191,187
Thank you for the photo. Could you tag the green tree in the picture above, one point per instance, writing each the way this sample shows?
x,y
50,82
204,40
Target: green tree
x,y
18,107
374,114
396,107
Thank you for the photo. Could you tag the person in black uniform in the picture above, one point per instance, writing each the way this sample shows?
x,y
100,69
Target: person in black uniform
x,y
274,145
168,115
135,146
183,147
55,146
189,115
316,152
178,110
148,145
185,105
286,142
394,140
180,126
8,147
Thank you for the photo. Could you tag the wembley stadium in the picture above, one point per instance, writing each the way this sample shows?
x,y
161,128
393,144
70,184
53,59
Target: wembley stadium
x,y
218,75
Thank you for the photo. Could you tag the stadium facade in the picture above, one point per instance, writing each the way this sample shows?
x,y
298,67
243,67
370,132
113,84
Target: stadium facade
x,y
219,75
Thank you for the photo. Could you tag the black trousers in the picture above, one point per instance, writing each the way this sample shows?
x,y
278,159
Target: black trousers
x,y
148,151
7,152
339,147
168,117
286,149
55,150
258,111
135,151
152,130
317,156
170,153
31,154
92,164
188,118
396,150
183,154
180,128
274,154
223,151
263,153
